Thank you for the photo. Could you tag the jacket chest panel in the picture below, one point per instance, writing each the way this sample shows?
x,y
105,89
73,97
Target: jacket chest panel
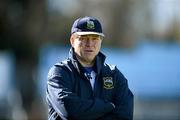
x,y
84,90
104,92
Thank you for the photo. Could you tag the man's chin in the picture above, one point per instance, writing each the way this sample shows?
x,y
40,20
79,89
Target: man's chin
x,y
89,60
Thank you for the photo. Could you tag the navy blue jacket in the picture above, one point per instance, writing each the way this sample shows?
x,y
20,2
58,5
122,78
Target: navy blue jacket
x,y
71,97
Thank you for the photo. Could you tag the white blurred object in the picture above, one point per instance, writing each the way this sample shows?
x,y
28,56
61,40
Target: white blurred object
x,y
6,73
15,102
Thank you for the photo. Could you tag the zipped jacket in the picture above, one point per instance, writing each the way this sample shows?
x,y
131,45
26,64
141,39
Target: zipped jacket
x,y
71,97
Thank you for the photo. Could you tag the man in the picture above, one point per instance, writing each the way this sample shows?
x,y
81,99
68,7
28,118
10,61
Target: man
x,y
84,87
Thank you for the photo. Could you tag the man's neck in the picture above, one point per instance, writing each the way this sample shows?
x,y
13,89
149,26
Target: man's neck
x,y
85,63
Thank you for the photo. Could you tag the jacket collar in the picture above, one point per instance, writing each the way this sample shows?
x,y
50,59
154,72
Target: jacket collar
x,y
99,61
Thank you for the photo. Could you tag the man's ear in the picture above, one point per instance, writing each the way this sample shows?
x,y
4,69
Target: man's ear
x,y
72,40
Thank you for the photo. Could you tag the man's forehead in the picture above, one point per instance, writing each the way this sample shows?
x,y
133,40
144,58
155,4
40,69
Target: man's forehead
x,y
90,35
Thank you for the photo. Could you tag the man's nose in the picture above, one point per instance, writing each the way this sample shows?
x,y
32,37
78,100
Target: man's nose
x,y
89,42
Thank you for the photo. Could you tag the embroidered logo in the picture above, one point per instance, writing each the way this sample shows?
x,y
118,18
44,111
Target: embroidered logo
x,y
90,25
108,83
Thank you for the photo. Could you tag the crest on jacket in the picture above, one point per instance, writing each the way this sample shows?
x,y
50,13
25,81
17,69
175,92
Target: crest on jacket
x,y
108,83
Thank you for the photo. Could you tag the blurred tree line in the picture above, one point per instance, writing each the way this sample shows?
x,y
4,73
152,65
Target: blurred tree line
x,y
27,25
22,23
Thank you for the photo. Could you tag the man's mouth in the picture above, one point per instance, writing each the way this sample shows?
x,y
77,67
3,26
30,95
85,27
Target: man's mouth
x,y
88,51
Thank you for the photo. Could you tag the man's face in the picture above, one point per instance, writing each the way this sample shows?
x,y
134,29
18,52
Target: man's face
x,y
86,47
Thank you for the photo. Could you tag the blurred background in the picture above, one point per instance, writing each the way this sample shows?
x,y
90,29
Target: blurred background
x,y
142,39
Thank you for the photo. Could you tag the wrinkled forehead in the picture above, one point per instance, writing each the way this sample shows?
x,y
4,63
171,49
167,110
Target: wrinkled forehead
x,y
89,35
94,36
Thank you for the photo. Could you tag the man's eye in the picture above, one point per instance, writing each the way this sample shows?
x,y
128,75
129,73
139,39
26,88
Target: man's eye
x,y
95,38
82,38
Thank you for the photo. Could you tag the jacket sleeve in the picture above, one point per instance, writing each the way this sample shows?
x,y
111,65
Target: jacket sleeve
x,y
68,104
124,99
